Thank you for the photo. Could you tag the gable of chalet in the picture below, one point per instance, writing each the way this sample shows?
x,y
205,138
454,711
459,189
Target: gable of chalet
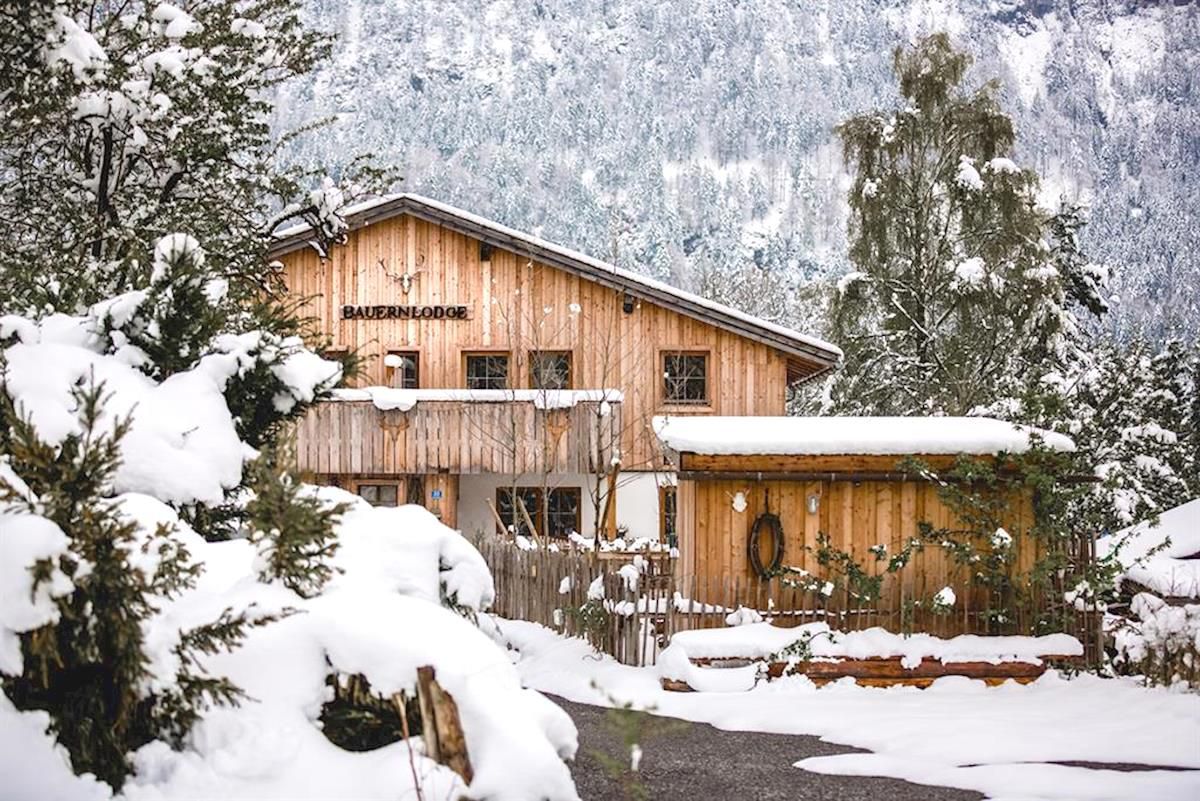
x,y
807,357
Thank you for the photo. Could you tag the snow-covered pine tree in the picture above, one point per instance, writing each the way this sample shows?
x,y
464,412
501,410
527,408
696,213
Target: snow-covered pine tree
x,y
91,668
957,291
126,124
292,529
1123,412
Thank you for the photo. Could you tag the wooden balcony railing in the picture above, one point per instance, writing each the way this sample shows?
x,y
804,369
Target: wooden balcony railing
x,y
457,436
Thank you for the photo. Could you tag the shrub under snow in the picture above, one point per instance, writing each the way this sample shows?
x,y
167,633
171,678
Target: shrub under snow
x,y
1159,641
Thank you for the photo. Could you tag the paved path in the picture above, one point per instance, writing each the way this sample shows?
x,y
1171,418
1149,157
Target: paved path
x,y
696,762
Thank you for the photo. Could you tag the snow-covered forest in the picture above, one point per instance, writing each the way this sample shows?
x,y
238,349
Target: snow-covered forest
x,y
693,140
990,209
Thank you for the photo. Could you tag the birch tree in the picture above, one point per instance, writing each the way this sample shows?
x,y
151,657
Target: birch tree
x,y
962,284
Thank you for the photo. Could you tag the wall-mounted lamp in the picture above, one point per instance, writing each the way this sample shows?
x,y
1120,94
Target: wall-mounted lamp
x,y
627,305
814,503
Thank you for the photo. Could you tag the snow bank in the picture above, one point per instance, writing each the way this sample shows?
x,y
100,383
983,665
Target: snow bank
x,y
182,446
1168,572
381,616
405,549
388,398
34,766
1004,734
850,435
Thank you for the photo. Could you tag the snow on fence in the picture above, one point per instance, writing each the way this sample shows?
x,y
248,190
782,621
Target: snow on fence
x,y
628,605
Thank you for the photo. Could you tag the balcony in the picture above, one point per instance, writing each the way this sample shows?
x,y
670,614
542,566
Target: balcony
x,y
380,431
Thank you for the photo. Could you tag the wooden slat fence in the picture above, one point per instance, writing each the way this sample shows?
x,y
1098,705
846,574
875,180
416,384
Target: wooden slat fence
x,y
632,622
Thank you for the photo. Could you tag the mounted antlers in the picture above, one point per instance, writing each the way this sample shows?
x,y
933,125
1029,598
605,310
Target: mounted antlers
x,y
406,280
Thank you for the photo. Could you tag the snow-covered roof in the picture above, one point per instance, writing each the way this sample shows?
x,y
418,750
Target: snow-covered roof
x,y
388,398
816,351
1169,572
849,435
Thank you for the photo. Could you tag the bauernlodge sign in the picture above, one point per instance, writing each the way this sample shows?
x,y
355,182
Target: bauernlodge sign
x,y
406,312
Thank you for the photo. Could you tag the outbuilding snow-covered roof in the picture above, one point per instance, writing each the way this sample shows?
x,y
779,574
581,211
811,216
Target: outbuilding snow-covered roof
x,y
1173,570
804,436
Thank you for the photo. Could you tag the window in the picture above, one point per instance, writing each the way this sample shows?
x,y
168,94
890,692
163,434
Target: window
x,y
407,489
560,515
562,511
335,353
487,371
685,378
403,369
513,520
667,515
379,494
550,369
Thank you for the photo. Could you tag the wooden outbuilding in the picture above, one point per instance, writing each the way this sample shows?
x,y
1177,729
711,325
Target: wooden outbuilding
x,y
844,478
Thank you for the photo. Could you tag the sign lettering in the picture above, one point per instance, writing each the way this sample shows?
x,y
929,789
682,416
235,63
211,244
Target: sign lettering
x,y
406,312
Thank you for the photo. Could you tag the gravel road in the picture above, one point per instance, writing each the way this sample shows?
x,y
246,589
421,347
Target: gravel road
x,y
696,762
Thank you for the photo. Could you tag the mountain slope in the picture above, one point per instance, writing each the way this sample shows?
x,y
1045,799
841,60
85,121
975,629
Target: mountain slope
x,y
691,139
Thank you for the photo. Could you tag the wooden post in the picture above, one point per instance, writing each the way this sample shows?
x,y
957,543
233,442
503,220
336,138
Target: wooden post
x,y
528,520
504,532
441,727
609,515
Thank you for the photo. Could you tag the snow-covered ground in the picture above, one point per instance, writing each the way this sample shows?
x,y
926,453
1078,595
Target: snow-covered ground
x,y
960,733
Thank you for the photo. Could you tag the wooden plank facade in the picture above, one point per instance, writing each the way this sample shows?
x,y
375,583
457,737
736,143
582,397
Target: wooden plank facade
x,y
516,306
866,506
855,515
439,290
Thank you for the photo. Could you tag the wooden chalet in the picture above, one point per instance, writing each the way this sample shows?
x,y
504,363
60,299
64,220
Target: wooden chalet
x,y
499,366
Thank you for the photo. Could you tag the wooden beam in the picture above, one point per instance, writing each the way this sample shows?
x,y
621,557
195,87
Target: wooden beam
x,y
528,520
504,532
782,463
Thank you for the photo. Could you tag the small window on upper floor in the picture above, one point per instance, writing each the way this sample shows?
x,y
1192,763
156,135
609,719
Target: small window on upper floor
x,y
487,370
335,353
685,378
403,368
550,369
